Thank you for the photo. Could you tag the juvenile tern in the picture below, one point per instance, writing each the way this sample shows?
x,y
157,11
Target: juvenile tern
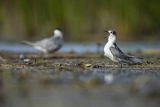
x,y
49,45
113,52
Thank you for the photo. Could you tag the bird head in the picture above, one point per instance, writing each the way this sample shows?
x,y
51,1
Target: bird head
x,y
112,35
57,32
58,36
112,32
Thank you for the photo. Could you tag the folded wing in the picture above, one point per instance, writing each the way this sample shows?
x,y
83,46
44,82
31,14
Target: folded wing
x,y
122,57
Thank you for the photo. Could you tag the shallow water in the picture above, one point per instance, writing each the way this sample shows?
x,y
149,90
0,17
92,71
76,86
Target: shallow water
x,y
79,48
76,80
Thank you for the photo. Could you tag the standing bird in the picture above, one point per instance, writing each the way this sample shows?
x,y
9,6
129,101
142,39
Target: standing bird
x,y
49,45
113,52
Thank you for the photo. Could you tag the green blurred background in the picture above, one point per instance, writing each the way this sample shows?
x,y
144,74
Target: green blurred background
x,y
81,20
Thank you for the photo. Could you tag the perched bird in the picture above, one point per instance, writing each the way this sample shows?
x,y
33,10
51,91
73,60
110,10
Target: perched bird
x,y
49,45
113,52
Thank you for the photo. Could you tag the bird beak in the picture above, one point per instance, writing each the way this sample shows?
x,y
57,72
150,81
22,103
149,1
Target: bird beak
x,y
106,32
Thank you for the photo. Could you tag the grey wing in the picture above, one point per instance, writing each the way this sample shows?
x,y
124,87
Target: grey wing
x,y
122,57
56,43
43,43
117,52
119,55
50,44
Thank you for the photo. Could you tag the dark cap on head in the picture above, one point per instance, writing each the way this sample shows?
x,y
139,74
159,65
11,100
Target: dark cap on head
x,y
112,32
57,28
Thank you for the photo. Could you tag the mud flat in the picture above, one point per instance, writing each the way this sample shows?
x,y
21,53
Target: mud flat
x,y
76,80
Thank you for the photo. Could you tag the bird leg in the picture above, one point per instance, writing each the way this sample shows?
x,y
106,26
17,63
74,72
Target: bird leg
x,y
120,65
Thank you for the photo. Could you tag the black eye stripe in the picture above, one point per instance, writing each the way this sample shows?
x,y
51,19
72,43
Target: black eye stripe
x,y
114,32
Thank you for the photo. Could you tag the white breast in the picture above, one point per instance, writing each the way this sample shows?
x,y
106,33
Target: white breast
x,y
107,51
111,41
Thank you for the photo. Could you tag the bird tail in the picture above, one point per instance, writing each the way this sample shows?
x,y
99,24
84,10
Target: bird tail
x,y
28,43
135,60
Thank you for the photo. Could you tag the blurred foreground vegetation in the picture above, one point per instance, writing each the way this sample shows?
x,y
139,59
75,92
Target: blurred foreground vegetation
x,y
80,19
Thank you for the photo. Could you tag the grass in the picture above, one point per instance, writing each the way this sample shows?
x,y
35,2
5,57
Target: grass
x,y
29,19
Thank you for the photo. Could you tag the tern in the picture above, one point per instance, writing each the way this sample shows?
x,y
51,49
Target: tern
x,y
49,45
113,52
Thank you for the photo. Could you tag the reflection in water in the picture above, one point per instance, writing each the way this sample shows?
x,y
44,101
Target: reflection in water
x,y
22,83
2,96
108,78
83,87
80,48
